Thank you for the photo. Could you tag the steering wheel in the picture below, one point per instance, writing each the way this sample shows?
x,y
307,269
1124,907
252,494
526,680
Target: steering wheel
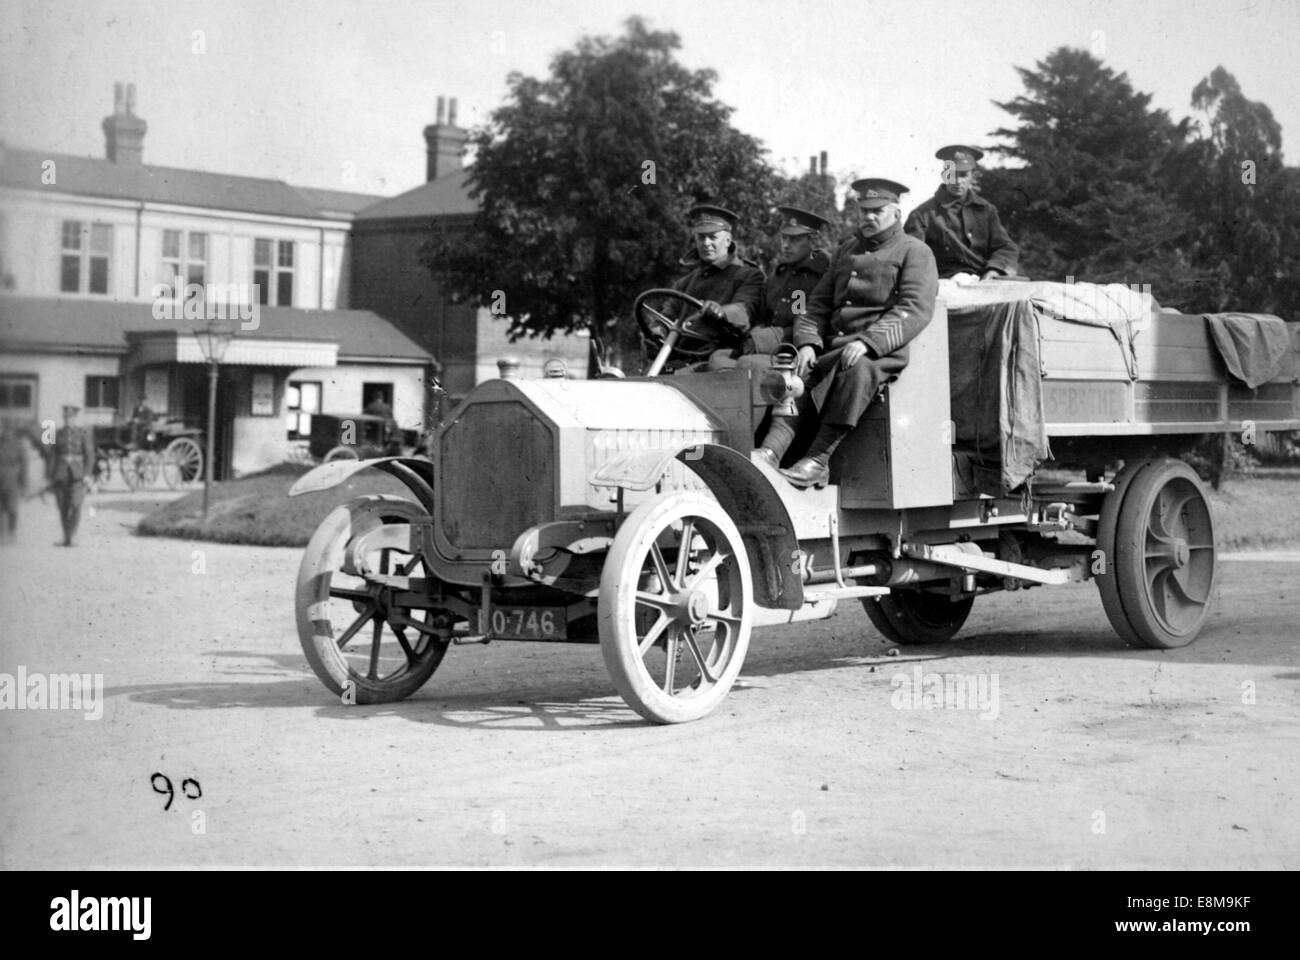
x,y
693,337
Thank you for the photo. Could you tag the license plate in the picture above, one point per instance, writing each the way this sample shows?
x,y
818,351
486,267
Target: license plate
x,y
526,623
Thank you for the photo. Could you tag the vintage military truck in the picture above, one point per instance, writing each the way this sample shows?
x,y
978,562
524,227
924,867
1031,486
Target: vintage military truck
x,y
1018,449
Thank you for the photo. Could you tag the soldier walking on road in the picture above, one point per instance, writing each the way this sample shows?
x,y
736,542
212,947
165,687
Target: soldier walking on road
x,y
74,459
13,478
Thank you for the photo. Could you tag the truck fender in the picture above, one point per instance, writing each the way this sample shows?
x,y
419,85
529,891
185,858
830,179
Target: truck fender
x,y
414,472
746,492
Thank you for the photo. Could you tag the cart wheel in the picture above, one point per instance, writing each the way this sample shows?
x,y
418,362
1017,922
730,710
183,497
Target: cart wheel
x,y
138,469
354,635
914,616
182,462
103,467
341,452
1163,564
674,608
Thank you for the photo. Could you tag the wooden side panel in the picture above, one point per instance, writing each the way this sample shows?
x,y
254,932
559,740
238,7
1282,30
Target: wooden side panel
x,y
900,455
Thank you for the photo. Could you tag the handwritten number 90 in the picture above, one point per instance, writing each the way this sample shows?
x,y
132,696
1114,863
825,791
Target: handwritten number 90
x,y
170,793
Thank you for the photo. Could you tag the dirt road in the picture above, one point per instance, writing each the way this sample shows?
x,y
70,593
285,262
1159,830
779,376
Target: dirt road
x,y
1077,752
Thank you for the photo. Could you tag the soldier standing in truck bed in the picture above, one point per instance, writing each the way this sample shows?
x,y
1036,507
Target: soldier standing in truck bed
x,y
74,459
959,226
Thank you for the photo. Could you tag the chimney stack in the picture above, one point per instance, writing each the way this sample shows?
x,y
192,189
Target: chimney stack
x,y
445,142
823,163
123,130
812,165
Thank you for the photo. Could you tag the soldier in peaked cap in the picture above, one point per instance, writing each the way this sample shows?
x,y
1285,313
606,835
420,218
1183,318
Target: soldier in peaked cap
x,y
730,286
960,226
800,264
876,296
74,460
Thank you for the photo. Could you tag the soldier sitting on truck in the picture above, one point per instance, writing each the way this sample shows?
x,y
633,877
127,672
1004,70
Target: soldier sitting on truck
x,y
877,295
730,285
959,226
801,263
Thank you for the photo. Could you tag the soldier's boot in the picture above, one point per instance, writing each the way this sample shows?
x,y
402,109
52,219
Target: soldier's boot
x,y
780,434
814,470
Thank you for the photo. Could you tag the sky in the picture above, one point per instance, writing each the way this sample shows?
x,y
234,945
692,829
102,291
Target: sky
x,y
336,93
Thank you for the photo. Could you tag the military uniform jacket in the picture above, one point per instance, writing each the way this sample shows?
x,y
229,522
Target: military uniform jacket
x,y
964,234
781,300
13,462
74,455
735,283
879,290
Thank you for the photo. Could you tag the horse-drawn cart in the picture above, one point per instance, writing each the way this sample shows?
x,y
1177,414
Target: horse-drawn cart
x,y
143,452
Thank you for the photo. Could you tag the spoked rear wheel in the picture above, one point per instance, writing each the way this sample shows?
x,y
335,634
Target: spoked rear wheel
x,y
675,607
182,462
1160,556
140,469
359,638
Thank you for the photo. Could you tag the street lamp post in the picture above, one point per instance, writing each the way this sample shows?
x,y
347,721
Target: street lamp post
x,y
212,343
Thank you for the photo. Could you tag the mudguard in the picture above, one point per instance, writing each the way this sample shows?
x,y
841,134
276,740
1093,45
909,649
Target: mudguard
x,y
747,491
414,472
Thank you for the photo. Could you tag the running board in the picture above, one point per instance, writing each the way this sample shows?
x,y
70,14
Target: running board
x,y
953,556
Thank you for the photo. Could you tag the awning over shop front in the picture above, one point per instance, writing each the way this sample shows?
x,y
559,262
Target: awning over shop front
x,y
183,347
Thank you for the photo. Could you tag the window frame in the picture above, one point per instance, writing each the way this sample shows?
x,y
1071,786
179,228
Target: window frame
x,y
182,264
93,398
271,273
83,257
297,412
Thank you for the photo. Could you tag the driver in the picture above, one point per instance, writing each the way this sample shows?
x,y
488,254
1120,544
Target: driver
x,y
729,285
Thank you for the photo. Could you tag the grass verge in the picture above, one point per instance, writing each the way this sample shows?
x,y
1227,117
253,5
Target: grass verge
x,y
1255,513
257,509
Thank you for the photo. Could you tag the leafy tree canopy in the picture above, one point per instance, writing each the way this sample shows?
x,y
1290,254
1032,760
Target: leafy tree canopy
x,y
584,179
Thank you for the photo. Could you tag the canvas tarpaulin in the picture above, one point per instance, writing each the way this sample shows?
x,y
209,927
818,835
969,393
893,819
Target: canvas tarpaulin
x,y
1254,346
997,388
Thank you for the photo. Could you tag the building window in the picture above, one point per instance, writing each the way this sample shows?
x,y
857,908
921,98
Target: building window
x,y
83,263
101,392
377,397
184,258
17,397
303,400
273,272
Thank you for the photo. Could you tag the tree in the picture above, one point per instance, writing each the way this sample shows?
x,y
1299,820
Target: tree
x,y
584,180
1249,230
1097,196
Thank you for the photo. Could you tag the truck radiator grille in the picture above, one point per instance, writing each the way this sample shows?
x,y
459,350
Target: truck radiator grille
x,y
496,476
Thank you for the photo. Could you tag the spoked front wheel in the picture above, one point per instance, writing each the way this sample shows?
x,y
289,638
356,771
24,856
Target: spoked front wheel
x,y
362,637
675,607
